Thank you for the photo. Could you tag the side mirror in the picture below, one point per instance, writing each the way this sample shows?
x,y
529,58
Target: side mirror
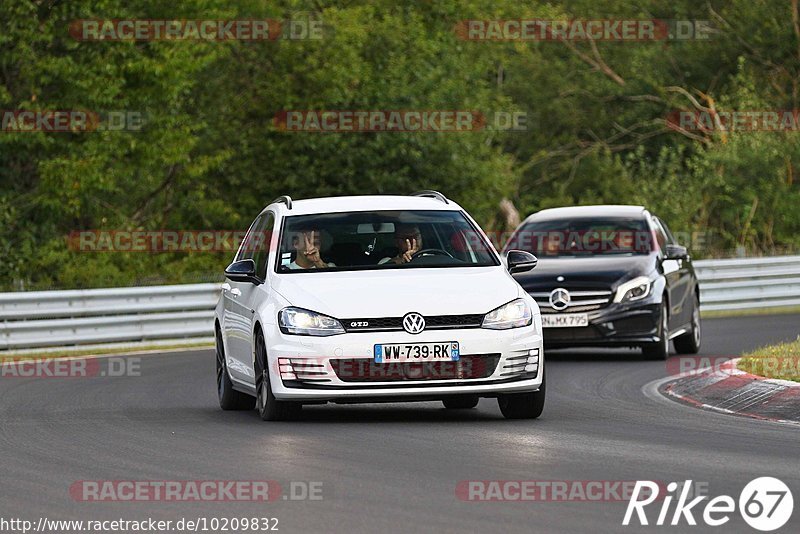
x,y
242,271
519,261
675,252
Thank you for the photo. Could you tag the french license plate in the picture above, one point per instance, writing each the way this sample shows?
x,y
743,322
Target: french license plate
x,y
446,351
564,320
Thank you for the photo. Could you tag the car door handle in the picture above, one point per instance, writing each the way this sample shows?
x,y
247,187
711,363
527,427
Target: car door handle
x,y
235,292
226,287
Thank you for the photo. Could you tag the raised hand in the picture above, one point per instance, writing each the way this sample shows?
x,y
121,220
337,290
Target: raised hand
x,y
310,250
411,249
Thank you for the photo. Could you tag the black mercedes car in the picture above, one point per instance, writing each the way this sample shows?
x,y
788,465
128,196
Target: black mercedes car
x,y
610,276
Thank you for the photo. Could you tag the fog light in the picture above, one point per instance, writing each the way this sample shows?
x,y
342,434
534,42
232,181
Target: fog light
x,y
533,356
286,370
531,367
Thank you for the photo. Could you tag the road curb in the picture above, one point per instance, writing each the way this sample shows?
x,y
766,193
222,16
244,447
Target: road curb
x,y
730,390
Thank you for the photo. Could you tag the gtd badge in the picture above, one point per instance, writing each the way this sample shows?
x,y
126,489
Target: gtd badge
x,y
560,299
413,323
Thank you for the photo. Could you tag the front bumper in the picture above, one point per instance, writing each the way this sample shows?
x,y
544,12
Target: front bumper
x,y
304,368
615,325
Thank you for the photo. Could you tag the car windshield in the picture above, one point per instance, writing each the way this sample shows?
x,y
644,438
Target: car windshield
x,y
369,240
583,237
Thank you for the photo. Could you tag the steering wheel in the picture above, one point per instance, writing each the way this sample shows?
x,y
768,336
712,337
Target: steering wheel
x,y
430,252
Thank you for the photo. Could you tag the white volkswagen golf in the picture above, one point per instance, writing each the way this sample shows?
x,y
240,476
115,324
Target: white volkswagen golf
x,y
375,299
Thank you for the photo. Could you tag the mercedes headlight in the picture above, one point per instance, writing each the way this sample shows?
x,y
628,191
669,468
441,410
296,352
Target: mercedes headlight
x,y
515,314
308,323
635,289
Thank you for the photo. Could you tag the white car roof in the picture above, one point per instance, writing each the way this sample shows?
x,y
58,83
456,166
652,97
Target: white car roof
x,y
599,210
364,203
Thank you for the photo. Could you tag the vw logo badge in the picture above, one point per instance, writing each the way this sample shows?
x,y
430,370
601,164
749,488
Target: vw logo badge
x,y
560,299
413,323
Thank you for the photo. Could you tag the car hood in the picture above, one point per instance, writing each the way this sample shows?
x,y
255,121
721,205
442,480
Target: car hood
x,y
586,272
395,292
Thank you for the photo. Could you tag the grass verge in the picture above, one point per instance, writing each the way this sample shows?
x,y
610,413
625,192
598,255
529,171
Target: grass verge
x,y
101,351
746,313
774,361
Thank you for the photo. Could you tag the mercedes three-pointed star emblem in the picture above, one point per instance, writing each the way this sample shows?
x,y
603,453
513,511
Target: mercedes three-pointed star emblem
x,y
560,299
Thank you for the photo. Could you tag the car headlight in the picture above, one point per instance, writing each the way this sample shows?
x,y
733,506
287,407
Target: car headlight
x,y
308,323
515,314
635,289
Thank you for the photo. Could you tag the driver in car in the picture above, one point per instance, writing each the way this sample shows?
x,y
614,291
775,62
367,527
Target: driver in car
x,y
408,239
307,243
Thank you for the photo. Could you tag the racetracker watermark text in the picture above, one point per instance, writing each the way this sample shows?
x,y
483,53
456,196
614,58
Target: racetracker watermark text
x,y
583,30
195,490
43,367
682,366
196,30
770,120
70,121
545,490
354,121
166,240
555,241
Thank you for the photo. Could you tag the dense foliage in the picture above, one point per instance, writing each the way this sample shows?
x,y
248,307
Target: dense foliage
x,y
209,155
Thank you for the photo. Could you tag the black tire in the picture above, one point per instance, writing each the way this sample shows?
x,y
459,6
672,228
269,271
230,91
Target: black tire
x,y
462,402
269,408
229,398
689,343
660,349
523,405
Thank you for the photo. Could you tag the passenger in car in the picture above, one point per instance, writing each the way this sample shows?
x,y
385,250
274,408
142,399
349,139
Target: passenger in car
x,y
307,243
408,240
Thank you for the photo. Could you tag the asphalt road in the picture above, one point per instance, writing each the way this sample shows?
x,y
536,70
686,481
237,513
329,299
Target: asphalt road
x,y
390,467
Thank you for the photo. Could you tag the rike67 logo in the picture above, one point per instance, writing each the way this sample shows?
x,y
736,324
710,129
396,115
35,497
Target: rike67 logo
x,y
765,504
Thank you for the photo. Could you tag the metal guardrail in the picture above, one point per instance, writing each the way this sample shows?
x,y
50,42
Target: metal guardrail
x,y
748,283
38,319
92,316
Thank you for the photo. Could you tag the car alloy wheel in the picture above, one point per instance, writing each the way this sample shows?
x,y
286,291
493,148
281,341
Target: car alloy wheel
x,y
269,408
689,343
659,350
524,405
229,398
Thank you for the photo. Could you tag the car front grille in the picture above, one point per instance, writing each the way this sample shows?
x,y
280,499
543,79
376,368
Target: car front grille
x,y
642,324
581,300
563,335
433,322
366,370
